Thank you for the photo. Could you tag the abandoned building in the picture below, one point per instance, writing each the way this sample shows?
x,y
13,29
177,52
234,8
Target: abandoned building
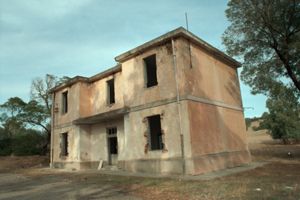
x,y
172,106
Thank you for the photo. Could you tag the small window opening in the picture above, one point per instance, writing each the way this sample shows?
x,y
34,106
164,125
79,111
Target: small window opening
x,y
155,132
64,144
112,131
150,65
65,102
111,91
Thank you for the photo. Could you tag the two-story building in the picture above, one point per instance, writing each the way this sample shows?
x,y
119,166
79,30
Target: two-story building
x,y
172,105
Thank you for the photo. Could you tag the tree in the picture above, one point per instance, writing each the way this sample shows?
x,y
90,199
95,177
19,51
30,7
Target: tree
x,y
38,110
10,121
265,36
283,119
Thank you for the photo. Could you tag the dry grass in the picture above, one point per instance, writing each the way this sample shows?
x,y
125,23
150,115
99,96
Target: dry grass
x,y
280,179
9,163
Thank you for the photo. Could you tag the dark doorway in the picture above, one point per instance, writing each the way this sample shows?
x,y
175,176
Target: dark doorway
x,y
112,144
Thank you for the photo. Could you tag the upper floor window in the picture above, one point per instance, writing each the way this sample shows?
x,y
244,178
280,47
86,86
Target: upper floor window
x,y
155,133
150,70
111,91
65,102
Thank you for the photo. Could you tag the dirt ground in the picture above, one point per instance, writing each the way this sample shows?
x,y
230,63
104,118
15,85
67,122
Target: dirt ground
x,y
29,178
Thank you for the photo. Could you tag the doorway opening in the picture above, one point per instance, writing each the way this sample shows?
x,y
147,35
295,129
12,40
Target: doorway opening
x,y
112,144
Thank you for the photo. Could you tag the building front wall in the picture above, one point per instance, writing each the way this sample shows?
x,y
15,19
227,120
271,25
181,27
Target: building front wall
x,y
135,91
137,157
97,98
73,144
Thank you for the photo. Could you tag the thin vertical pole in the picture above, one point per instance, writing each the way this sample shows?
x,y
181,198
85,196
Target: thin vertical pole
x,y
186,21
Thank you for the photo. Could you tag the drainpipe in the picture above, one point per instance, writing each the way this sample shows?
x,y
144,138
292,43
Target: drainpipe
x,y
52,130
178,106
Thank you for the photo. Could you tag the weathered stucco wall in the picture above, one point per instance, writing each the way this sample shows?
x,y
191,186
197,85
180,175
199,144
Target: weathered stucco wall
x,y
73,105
135,158
210,102
203,75
134,89
98,94
98,139
73,144
217,126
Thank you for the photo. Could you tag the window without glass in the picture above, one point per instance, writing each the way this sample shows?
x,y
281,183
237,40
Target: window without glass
x,y
64,144
150,70
155,135
111,91
112,131
65,102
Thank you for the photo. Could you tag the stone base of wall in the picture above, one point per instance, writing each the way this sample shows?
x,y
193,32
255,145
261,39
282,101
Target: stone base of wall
x,y
218,161
193,166
78,165
154,166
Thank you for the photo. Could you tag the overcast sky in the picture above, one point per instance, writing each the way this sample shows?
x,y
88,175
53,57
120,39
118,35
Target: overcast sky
x,y
82,37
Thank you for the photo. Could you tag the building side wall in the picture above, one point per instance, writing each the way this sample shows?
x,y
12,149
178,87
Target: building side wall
x,y
61,118
203,75
211,88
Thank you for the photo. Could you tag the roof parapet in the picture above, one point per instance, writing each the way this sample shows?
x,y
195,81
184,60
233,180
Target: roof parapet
x,y
91,79
179,32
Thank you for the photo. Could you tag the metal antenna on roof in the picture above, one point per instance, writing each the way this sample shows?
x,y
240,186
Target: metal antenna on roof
x,y
186,21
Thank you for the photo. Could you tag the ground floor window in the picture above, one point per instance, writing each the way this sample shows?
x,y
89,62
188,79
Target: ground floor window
x,y
155,133
64,144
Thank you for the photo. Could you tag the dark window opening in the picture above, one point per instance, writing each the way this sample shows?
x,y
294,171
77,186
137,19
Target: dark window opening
x,y
112,131
155,132
64,144
65,102
113,145
150,65
111,91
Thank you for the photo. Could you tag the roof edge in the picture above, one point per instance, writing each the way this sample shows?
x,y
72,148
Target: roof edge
x,y
91,79
178,32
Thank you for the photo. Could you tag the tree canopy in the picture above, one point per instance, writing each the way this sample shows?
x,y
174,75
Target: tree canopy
x,y
265,36
18,117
